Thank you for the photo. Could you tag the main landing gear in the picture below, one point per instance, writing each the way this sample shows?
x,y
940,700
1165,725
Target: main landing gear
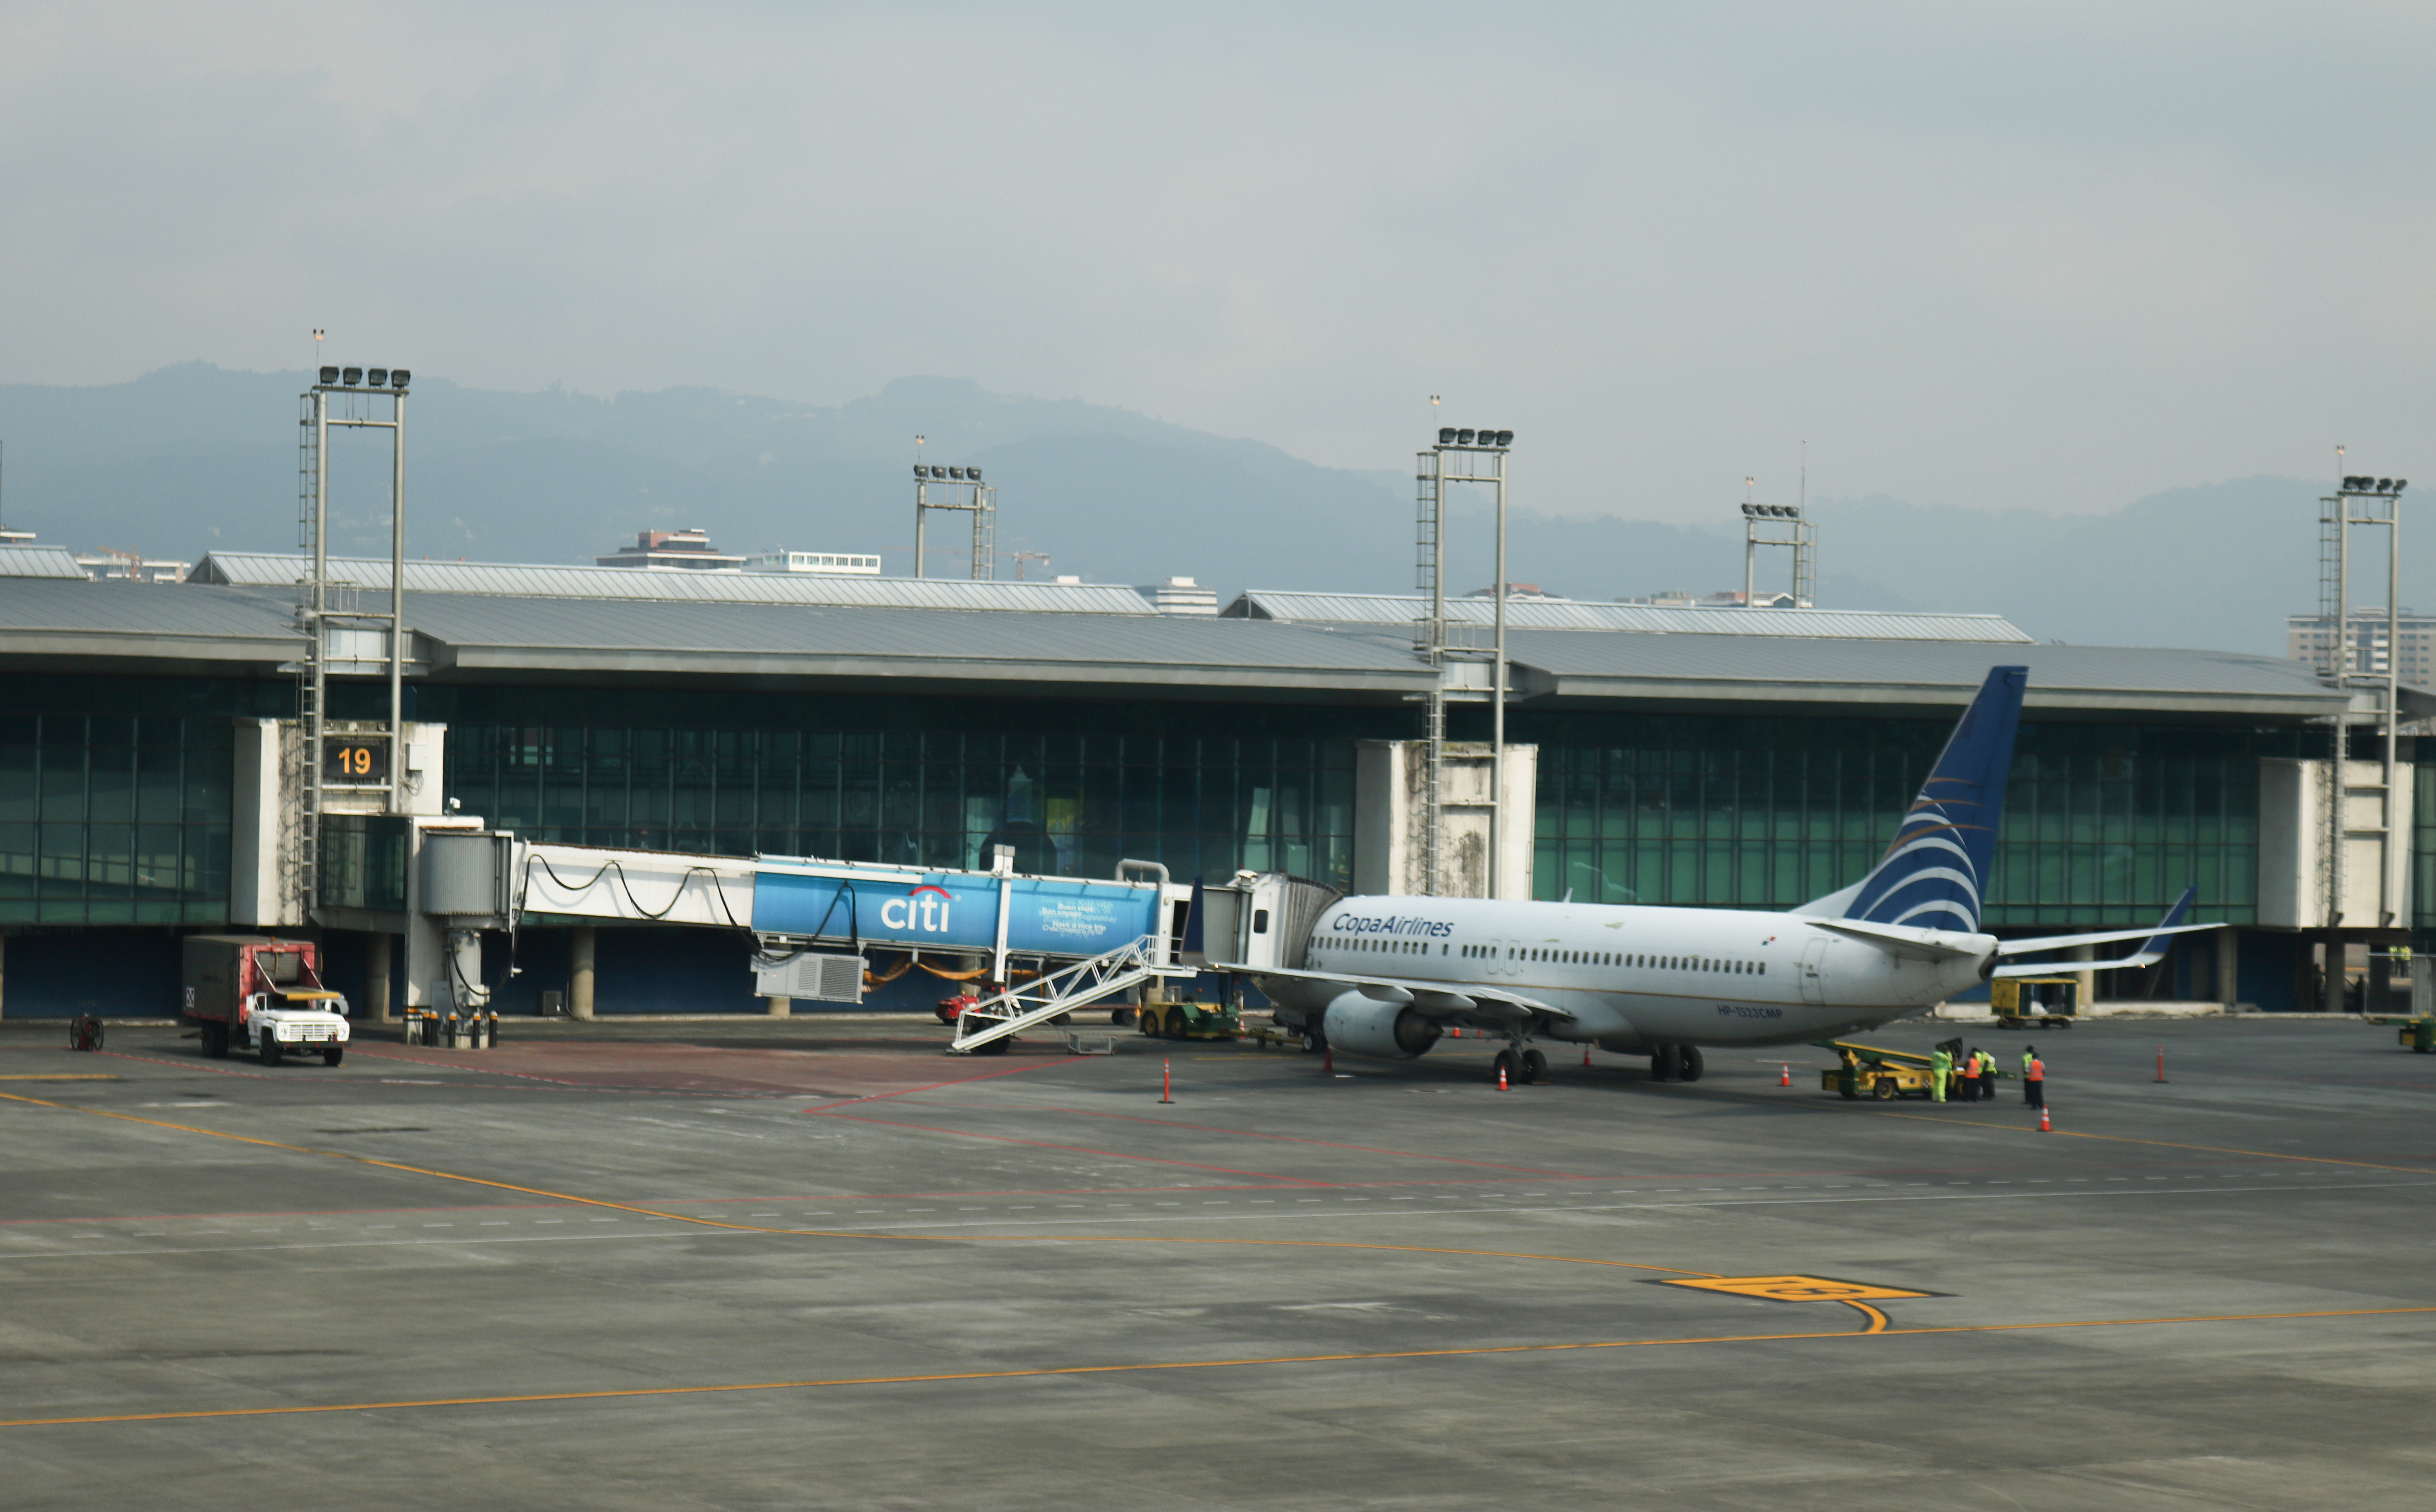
x,y
1676,1063
1521,1063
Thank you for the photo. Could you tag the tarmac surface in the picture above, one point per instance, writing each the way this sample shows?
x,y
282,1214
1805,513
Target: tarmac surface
x,y
809,1264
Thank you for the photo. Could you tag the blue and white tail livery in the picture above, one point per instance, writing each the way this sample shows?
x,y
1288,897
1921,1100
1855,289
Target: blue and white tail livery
x,y
1935,875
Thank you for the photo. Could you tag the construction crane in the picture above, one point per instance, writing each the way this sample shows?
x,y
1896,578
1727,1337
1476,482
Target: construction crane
x,y
1022,557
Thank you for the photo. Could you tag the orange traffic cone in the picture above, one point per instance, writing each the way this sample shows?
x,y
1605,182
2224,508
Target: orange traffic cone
x,y
1585,1055
1166,1082
1500,1076
1785,1074
1458,1031
2045,1127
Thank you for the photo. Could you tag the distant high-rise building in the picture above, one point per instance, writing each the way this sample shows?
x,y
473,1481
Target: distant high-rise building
x,y
130,566
687,550
1179,596
823,564
2309,638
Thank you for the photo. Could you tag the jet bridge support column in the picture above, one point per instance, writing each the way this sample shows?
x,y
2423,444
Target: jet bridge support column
x,y
377,975
579,972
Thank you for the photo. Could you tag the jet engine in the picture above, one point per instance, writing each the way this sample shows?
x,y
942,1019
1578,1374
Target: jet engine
x,y
1365,1027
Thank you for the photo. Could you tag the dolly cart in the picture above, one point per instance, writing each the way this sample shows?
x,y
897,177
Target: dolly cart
x,y
2052,1003
1885,1075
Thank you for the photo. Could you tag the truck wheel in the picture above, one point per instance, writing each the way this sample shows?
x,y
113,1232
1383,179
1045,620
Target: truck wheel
x,y
1886,1090
1120,1017
334,1055
268,1049
216,1041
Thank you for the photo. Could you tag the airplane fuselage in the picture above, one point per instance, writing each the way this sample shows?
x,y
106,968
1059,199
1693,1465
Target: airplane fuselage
x,y
1635,977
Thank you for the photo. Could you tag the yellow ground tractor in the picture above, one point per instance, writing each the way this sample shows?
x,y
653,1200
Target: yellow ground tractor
x,y
2416,1033
2051,1002
1867,1071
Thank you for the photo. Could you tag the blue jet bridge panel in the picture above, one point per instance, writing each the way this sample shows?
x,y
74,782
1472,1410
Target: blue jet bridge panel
x,y
1046,916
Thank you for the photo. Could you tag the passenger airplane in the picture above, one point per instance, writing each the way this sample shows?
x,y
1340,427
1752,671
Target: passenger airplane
x,y
1387,976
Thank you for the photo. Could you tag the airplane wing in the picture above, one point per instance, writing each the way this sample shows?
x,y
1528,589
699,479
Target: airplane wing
x,y
2151,951
1438,999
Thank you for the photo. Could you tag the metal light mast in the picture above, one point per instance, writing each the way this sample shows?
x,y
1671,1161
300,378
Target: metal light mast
x,y
1460,455
960,488
2376,503
324,617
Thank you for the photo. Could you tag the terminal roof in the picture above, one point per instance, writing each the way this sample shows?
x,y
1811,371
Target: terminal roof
x,y
679,585
1570,614
39,561
207,628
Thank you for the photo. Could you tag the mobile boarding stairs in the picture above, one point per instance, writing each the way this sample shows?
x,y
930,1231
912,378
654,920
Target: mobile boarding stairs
x,y
990,1024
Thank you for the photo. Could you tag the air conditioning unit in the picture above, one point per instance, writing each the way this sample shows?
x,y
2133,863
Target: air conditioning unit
x,y
808,974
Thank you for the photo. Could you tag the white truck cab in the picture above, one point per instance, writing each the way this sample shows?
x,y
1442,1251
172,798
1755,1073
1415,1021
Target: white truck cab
x,y
297,1018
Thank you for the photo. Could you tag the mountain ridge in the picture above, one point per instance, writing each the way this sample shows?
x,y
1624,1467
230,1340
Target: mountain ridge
x,y
192,457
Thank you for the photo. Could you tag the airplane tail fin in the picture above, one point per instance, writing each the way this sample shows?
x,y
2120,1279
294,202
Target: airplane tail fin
x,y
1935,872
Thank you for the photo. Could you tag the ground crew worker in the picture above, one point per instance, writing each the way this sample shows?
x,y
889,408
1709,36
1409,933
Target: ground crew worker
x,y
2034,1082
1941,1070
2030,1058
1968,1078
1987,1073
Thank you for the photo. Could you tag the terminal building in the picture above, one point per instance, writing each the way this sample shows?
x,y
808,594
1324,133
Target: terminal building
x,y
1671,755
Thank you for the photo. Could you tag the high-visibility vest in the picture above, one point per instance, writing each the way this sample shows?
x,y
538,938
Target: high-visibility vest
x,y
1971,1067
2037,1070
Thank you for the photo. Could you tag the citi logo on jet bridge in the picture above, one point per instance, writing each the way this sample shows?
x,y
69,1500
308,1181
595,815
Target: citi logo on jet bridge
x,y
1392,924
1059,915
924,908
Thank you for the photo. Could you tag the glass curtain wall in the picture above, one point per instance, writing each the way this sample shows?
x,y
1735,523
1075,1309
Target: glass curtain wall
x,y
1070,803
2103,823
114,818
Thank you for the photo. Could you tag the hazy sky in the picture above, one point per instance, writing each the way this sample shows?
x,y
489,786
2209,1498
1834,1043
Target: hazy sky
x,y
2055,255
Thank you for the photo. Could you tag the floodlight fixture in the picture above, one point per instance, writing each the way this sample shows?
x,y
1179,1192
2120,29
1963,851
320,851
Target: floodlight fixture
x,y
398,376
2385,485
1506,438
1463,438
329,374
1446,435
352,377
377,378
973,474
2401,484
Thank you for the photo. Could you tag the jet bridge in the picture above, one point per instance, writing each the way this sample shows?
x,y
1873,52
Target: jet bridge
x,y
1039,947
810,922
